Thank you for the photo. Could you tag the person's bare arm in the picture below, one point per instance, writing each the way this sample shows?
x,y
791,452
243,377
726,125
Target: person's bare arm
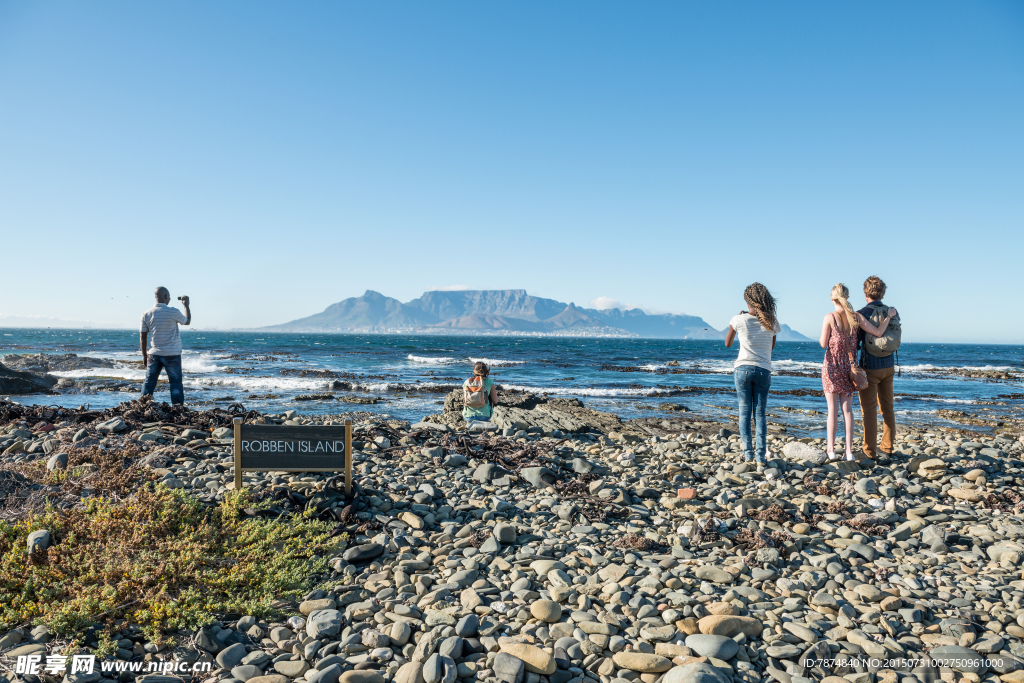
x,y
494,396
730,336
826,332
143,336
188,312
773,341
866,325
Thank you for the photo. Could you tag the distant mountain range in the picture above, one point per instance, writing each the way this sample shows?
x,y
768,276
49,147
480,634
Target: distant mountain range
x,y
501,311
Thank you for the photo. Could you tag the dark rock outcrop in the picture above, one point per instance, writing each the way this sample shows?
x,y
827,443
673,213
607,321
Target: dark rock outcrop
x,y
14,382
522,410
54,362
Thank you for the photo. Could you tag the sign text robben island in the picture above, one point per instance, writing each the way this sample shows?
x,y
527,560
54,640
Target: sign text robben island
x,y
296,449
282,446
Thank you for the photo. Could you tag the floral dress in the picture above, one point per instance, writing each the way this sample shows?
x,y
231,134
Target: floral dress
x,y
835,371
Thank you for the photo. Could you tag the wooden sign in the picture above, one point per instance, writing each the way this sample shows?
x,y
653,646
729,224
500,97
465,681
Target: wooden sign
x,y
276,448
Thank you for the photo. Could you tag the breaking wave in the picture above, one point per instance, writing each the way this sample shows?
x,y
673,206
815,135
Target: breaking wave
x,y
428,360
497,362
449,360
612,392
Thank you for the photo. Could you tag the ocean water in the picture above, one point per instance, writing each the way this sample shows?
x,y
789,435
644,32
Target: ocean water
x,y
410,375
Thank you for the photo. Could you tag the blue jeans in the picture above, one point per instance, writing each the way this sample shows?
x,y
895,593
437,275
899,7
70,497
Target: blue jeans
x,y
172,364
752,385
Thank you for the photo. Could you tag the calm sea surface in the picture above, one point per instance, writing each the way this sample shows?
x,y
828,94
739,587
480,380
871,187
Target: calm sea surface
x,y
411,374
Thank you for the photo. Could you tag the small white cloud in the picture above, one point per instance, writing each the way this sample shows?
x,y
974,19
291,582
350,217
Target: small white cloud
x,y
449,288
607,303
604,303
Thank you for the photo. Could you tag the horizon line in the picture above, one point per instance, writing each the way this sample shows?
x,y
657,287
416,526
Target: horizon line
x,y
256,330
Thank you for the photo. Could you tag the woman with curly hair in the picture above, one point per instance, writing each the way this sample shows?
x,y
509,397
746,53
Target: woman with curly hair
x,y
756,328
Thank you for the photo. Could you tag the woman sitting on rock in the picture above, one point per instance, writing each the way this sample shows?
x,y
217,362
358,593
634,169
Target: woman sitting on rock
x,y
479,395
756,328
839,339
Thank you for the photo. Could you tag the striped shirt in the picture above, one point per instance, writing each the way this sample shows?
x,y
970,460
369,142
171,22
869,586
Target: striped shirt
x,y
161,323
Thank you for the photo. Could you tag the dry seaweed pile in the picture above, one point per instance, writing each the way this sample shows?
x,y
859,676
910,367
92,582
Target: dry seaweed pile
x,y
755,539
134,413
704,531
813,484
576,486
479,537
510,455
14,412
773,513
867,524
29,488
863,522
1006,501
146,410
636,542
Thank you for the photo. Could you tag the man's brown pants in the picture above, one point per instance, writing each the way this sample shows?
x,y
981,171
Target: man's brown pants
x,y
878,395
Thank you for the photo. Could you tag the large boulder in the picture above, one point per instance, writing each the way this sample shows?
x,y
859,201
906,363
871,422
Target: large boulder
x,y
697,672
323,623
38,540
112,426
795,450
14,382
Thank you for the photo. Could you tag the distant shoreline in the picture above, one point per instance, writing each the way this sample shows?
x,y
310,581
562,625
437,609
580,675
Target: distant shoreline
x,y
450,333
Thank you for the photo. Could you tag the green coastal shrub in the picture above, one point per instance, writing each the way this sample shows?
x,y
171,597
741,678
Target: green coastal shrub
x,y
158,558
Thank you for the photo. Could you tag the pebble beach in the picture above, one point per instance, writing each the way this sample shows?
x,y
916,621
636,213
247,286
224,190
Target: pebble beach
x,y
644,551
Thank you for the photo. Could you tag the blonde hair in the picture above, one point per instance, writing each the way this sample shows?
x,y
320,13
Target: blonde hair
x,y
841,295
480,369
762,303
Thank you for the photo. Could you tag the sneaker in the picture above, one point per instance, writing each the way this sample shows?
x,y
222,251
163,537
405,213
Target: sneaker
x,y
832,457
849,456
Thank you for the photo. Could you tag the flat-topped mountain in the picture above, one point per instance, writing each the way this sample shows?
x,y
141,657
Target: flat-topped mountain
x,y
500,311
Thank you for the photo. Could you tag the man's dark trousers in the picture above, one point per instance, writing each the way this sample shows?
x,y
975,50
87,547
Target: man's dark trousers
x,y
172,364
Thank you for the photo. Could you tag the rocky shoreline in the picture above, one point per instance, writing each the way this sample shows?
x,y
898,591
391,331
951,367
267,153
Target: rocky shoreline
x,y
547,552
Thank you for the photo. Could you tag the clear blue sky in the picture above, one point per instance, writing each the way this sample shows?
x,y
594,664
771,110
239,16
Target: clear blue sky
x,y
269,159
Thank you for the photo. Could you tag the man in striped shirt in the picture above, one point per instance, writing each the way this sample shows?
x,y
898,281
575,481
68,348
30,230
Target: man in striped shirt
x,y
160,329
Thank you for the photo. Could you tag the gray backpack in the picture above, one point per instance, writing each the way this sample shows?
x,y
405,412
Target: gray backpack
x,y
888,343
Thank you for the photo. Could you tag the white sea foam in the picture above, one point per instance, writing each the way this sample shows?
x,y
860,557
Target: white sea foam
x,y
726,366
199,362
399,386
449,360
258,383
926,367
497,362
933,398
797,365
298,384
569,391
428,360
121,373
193,362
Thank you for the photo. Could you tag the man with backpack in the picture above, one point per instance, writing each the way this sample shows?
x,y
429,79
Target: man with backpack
x,y
479,395
878,358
